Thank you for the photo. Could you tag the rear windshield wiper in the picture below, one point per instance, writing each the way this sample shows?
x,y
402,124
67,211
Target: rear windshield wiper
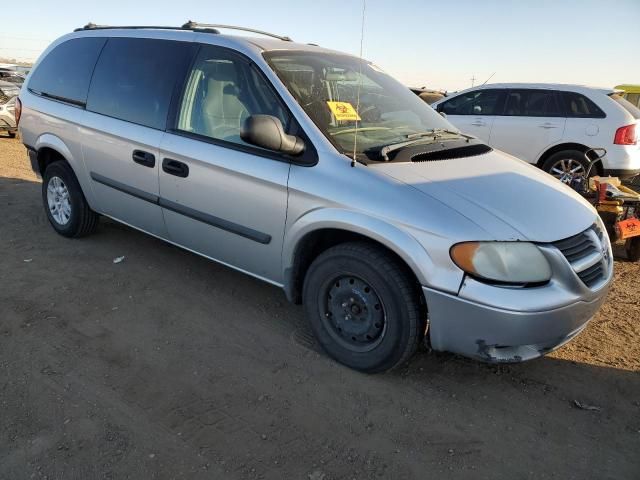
x,y
415,137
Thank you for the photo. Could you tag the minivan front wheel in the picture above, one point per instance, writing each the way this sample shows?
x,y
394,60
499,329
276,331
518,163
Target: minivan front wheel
x,y
567,165
364,307
65,204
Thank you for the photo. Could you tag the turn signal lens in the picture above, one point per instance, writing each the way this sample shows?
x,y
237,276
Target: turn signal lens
x,y
515,263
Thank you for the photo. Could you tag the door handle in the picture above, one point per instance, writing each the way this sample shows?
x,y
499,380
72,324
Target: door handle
x,y
144,158
548,125
176,168
478,124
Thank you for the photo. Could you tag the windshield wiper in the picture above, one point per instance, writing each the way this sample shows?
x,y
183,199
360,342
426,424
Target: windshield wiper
x,y
415,137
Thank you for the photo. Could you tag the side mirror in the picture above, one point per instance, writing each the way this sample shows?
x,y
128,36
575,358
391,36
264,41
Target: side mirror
x,y
267,132
442,114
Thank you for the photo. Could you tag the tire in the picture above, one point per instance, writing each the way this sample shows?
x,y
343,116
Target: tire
x,y
70,214
632,247
383,320
571,159
11,134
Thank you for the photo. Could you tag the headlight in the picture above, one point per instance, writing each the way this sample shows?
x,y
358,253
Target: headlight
x,y
505,262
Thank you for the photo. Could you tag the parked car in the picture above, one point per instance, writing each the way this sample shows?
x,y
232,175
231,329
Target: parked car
x,y
8,118
318,173
551,126
8,90
11,77
631,93
427,95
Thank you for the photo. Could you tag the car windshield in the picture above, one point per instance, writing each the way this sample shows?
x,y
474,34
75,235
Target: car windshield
x,y
340,93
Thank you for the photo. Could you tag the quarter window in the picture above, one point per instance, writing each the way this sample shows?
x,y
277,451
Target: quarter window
x,y
579,106
477,102
65,73
134,79
222,90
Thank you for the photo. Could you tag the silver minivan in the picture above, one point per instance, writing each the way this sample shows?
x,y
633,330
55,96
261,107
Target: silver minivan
x,y
317,172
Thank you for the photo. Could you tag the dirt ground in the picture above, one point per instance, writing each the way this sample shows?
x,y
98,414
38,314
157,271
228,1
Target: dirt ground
x,y
170,366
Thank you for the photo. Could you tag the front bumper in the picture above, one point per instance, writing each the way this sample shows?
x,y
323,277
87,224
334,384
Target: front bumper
x,y
494,334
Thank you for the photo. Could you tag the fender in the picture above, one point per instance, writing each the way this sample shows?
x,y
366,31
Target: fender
x,y
49,140
397,240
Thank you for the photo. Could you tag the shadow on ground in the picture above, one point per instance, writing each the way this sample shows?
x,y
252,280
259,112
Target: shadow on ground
x,y
170,366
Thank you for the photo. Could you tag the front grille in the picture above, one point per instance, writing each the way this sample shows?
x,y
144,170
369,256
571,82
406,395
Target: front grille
x,y
576,247
592,275
588,254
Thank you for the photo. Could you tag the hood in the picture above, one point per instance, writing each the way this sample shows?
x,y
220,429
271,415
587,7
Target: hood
x,y
504,196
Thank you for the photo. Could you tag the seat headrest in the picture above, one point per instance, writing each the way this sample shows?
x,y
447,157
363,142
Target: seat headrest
x,y
221,71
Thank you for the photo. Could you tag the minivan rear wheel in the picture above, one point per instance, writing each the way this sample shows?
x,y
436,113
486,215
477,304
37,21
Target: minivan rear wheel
x,y
567,164
364,307
64,203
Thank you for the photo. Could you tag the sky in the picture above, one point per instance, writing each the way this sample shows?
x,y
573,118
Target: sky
x,y
438,44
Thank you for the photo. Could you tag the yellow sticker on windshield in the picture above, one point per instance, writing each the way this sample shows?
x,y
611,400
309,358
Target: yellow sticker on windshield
x,y
343,111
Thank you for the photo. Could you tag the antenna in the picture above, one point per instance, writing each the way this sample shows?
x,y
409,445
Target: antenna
x,y
473,80
490,77
355,134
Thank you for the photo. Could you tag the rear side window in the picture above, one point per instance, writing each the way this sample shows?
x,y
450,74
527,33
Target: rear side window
x,y
626,104
579,106
65,73
134,79
532,103
477,102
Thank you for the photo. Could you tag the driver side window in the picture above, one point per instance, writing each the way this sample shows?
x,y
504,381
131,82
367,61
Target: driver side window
x,y
222,91
478,102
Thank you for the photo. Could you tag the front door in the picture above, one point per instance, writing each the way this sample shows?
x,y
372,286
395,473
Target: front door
x,y
220,196
474,112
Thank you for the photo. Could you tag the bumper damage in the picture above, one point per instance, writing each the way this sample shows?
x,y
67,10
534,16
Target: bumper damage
x,y
498,335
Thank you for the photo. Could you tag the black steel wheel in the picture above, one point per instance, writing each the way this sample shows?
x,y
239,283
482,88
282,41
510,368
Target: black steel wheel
x,y
352,312
364,306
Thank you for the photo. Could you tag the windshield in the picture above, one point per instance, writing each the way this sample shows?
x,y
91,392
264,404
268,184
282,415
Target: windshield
x,y
326,86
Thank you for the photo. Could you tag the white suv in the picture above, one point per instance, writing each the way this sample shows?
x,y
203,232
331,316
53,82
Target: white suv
x,y
551,125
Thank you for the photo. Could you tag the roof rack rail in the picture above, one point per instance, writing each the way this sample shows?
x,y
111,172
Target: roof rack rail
x,y
191,25
93,26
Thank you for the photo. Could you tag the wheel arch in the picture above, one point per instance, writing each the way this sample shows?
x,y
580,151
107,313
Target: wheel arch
x,y
322,229
51,148
560,147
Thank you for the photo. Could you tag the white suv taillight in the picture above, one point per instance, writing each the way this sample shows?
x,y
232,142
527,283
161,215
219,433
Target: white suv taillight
x,y
626,135
18,111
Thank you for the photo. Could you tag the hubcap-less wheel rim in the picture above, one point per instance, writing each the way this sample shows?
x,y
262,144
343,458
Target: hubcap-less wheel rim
x,y
567,169
353,313
59,200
